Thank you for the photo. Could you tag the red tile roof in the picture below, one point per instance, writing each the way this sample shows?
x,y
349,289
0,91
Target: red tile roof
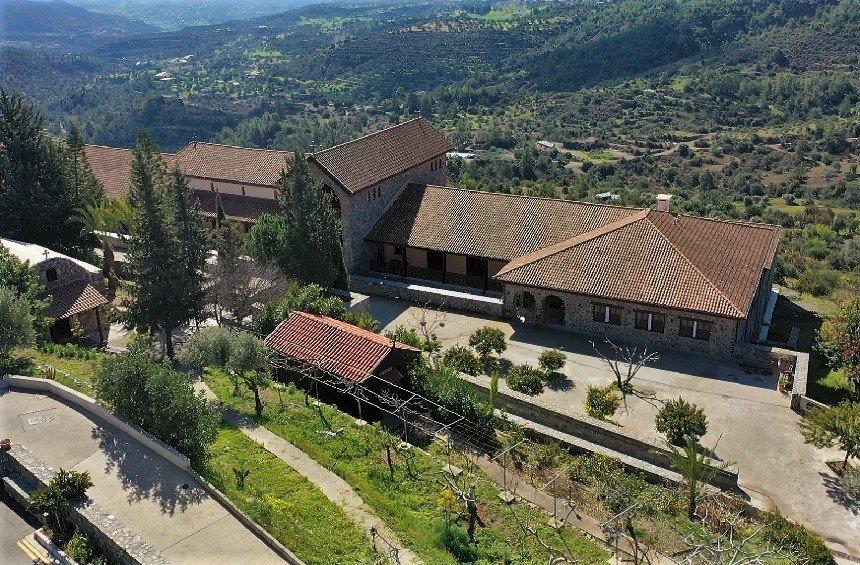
x,y
486,224
679,262
368,160
345,350
236,207
240,165
73,298
112,167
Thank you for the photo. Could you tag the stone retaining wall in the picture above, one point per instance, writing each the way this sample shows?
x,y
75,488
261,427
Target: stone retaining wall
x,y
599,433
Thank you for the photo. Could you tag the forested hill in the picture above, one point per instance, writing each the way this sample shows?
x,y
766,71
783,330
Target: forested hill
x,y
60,24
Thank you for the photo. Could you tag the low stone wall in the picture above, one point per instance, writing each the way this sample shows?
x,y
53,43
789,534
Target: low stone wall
x,y
90,406
419,294
599,433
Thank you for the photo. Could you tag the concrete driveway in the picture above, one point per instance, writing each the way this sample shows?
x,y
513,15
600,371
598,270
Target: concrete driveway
x,y
145,492
749,420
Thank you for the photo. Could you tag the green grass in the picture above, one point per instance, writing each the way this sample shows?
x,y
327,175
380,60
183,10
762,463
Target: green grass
x,y
73,373
407,499
284,502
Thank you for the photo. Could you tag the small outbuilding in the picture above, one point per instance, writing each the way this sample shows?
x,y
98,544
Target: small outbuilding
x,y
346,351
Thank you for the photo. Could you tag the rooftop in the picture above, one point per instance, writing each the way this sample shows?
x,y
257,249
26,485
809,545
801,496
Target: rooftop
x,y
345,350
36,254
630,254
368,160
241,165
486,224
236,207
73,298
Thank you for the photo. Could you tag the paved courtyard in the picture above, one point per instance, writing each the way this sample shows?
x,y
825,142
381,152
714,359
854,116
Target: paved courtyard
x,y
756,429
145,492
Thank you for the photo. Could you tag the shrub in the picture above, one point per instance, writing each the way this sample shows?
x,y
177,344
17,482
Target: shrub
x,y
361,318
806,546
601,402
680,420
82,550
488,340
851,482
525,379
157,398
456,541
552,360
409,336
462,359
444,386
818,282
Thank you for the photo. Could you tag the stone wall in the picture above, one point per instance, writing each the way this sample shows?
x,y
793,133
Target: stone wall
x,y
596,432
360,211
578,318
67,271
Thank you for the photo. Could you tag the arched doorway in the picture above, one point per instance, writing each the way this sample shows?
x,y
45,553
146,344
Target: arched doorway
x,y
553,310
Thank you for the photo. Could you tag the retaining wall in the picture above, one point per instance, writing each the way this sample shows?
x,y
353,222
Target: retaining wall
x,y
596,432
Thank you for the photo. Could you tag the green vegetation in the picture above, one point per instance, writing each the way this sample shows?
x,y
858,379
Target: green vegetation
x,y
405,498
159,399
55,499
69,365
285,503
601,402
525,379
837,426
681,421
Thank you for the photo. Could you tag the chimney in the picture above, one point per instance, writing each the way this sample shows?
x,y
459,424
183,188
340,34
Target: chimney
x,y
663,202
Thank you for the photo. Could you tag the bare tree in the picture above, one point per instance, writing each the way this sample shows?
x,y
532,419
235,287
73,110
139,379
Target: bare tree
x,y
625,362
236,286
430,321
738,544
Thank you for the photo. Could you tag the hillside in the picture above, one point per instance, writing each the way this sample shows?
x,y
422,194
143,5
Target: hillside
x,y
58,24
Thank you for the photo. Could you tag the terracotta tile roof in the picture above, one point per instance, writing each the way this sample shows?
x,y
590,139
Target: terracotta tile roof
x,y
241,165
112,166
73,298
486,224
236,207
340,348
368,160
651,257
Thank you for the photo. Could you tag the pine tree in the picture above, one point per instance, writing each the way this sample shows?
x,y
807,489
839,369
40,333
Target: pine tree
x,y
85,187
37,199
155,259
304,241
185,216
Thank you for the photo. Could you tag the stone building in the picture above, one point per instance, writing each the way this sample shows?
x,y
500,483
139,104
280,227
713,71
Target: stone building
x,y
245,180
365,175
72,290
637,275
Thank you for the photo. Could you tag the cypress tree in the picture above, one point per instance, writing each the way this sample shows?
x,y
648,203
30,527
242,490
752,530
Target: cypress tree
x,y
304,241
191,238
155,258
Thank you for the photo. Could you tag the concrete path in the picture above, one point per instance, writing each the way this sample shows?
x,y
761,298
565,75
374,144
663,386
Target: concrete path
x,y
145,492
14,526
334,487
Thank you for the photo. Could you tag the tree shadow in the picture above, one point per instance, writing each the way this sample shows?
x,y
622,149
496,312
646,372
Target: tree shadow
x,y
837,493
145,475
559,382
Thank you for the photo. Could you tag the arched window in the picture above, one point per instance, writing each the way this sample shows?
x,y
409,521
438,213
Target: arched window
x,y
528,300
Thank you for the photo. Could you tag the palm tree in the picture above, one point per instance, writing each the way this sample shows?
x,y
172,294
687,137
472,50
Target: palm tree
x,y
102,219
697,468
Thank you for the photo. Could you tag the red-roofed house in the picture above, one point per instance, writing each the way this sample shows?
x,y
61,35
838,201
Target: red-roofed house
x,y
341,349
